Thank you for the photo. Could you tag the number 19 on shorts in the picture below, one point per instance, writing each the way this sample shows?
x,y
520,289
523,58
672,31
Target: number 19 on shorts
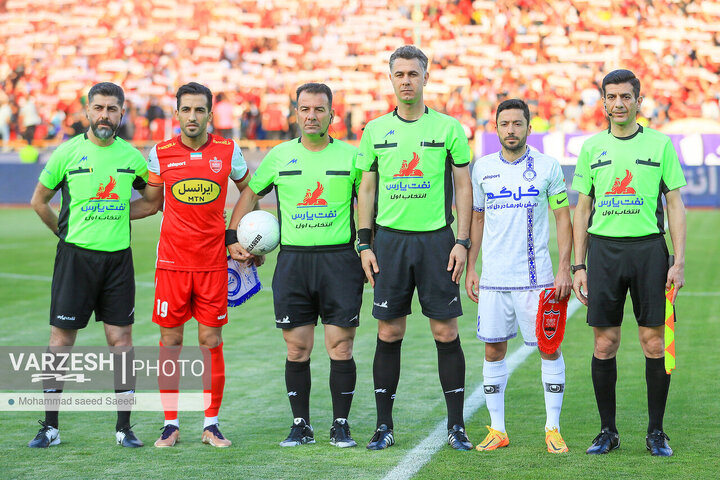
x,y
162,308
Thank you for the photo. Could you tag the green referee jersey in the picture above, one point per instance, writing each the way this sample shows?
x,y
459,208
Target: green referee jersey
x,y
414,162
96,184
314,191
626,178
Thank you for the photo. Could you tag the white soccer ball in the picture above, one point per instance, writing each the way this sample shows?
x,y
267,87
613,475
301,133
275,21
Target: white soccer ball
x,y
259,232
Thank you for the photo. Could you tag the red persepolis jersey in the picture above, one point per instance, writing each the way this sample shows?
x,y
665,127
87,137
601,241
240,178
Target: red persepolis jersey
x,y
192,235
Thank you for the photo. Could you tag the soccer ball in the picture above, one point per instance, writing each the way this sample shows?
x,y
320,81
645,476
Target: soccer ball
x,y
259,232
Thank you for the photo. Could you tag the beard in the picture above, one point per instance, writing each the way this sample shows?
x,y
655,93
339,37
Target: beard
x,y
517,148
103,133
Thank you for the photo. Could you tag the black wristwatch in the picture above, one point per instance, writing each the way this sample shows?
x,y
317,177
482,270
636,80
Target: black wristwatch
x,y
575,268
465,243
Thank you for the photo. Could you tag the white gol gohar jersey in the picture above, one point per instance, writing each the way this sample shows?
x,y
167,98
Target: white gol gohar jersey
x,y
514,197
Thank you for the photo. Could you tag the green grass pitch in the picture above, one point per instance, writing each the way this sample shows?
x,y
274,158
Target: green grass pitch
x,y
256,415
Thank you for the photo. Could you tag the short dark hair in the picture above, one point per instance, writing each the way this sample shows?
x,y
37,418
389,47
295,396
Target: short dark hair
x,y
622,76
314,88
408,52
513,104
107,89
194,88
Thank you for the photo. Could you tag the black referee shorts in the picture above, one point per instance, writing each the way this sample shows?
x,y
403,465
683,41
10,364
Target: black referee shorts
x,y
410,260
312,283
90,280
616,265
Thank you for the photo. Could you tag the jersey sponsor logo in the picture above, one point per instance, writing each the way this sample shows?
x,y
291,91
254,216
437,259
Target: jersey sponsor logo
x,y
292,394
312,198
381,305
215,165
488,177
560,201
381,390
455,299
221,317
65,318
622,187
222,141
105,192
408,169
166,146
82,160
285,319
293,162
176,164
391,132
196,191
506,193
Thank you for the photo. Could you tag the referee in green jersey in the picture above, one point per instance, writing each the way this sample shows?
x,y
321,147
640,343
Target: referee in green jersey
x,y
411,159
621,175
318,272
95,173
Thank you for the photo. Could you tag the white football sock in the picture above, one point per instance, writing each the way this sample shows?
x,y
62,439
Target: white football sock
x,y
553,379
495,377
175,422
210,421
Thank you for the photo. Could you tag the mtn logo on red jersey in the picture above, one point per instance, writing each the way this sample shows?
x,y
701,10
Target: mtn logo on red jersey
x,y
408,169
312,198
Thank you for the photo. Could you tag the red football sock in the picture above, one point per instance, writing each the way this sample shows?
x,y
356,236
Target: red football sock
x,y
169,384
218,381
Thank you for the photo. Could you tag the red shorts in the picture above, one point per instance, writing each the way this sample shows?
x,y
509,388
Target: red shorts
x,y
181,295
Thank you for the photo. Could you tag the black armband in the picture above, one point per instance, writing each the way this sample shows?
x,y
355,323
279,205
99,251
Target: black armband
x,y
230,237
364,235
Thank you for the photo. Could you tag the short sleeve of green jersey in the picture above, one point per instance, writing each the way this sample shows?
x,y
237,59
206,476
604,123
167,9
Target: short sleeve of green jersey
x,y
54,172
366,152
357,173
264,178
582,182
557,180
672,175
459,147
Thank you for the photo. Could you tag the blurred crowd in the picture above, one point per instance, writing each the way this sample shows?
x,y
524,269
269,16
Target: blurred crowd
x,y
254,54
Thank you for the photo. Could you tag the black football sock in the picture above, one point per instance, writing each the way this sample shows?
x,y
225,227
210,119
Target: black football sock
x,y
604,377
386,375
124,378
297,381
451,368
658,385
343,374
53,388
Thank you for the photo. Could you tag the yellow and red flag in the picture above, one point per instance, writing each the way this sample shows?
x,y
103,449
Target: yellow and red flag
x,y
669,331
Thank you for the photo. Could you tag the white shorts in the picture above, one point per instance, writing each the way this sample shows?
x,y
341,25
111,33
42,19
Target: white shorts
x,y
500,313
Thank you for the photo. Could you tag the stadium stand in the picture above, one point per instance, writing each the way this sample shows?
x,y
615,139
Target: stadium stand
x,y
552,53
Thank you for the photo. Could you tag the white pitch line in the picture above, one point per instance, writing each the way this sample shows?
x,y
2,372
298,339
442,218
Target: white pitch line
x,y
421,454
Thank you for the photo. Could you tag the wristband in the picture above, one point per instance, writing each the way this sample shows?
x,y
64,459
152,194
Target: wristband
x,y
230,237
575,268
365,246
364,235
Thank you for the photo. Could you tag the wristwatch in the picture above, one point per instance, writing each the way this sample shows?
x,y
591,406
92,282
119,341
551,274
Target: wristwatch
x,y
465,242
575,268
